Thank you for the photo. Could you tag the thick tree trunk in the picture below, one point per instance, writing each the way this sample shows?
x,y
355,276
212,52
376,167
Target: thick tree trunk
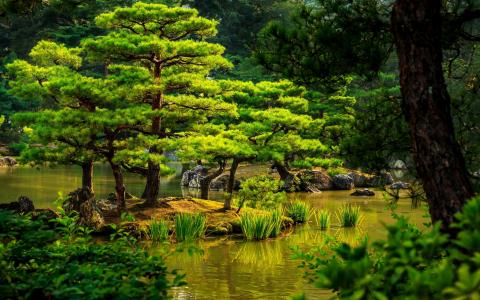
x,y
87,175
227,204
152,187
282,171
416,26
119,186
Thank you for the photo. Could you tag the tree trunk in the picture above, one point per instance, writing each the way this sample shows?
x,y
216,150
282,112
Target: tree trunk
x,y
207,179
152,187
416,26
87,175
119,186
227,205
282,171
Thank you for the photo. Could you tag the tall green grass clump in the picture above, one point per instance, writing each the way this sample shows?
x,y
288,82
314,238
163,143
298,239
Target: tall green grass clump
x,y
189,226
349,215
299,211
158,230
323,219
259,227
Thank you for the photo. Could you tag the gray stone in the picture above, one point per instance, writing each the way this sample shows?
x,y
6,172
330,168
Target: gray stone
x,y
221,183
315,180
7,162
364,192
342,182
399,186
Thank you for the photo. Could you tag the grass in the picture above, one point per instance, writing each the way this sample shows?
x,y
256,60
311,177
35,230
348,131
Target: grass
x,y
349,215
323,219
189,226
259,226
299,211
158,230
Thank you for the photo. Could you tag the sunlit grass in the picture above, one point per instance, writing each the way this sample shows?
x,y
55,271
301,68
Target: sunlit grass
x,y
299,211
349,215
158,230
189,226
323,218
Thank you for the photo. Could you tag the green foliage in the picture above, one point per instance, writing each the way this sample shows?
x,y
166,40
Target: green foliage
x,y
326,40
349,215
37,262
260,192
257,226
299,211
189,226
323,218
158,230
409,264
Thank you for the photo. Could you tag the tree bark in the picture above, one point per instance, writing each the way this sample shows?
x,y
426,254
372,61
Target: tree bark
x,y
416,26
152,187
87,175
119,186
227,205
207,179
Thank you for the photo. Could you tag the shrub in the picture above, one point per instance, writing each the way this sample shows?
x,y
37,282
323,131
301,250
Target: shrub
x,y
299,211
409,264
349,215
323,219
158,230
37,262
259,226
189,226
261,192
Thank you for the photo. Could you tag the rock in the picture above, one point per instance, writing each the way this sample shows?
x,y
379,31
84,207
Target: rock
x,y
342,182
399,185
7,162
107,207
364,192
362,180
221,183
22,205
315,180
192,177
83,202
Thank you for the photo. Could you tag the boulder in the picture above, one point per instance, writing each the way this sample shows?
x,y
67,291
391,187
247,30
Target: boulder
x,y
7,162
364,192
221,183
342,182
83,202
315,180
22,205
399,186
191,178
362,180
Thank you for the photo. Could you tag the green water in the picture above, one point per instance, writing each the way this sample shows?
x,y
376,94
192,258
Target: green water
x,y
227,268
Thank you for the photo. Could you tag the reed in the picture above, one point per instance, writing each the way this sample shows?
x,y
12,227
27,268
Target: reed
x,y
299,211
323,219
158,230
259,226
349,215
189,226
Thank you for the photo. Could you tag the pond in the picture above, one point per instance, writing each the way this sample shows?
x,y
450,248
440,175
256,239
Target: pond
x,y
227,268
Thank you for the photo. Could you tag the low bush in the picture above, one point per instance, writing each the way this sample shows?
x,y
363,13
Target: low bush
x,y
189,226
299,211
409,264
38,262
261,192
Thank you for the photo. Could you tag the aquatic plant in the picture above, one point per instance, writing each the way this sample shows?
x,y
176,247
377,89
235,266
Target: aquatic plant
x,y
189,226
299,211
323,217
261,226
349,215
158,230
